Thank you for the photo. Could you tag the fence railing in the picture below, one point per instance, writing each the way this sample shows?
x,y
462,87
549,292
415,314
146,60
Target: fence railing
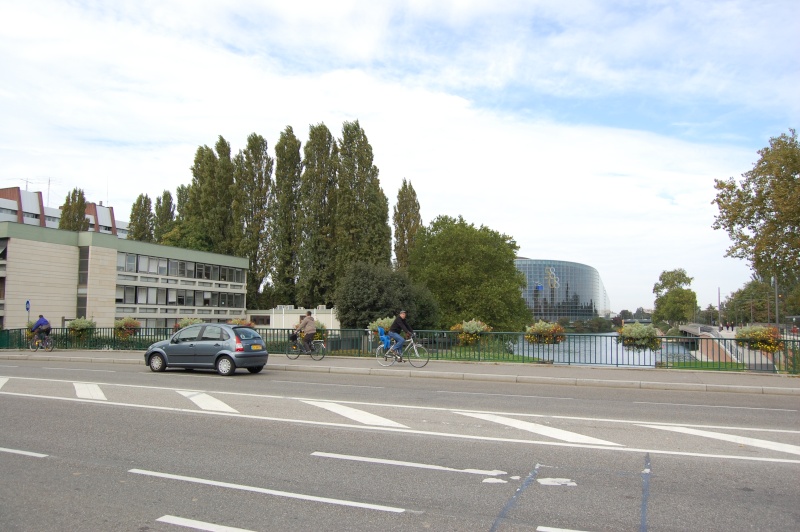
x,y
680,352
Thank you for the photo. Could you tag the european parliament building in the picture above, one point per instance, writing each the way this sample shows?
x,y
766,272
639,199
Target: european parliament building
x,y
559,289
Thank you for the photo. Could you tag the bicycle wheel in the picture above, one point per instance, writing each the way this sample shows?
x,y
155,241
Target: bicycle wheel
x,y
417,356
385,358
49,344
293,351
318,350
34,345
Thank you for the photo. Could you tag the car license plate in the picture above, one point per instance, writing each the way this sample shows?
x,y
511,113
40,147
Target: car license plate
x,y
256,347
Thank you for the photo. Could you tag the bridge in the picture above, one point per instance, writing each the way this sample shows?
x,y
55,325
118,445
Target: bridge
x,y
719,345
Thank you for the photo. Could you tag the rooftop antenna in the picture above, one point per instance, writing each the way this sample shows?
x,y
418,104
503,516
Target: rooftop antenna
x,y
26,183
48,192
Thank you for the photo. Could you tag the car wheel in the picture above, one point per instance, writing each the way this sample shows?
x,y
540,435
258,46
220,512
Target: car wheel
x,y
256,369
157,363
225,366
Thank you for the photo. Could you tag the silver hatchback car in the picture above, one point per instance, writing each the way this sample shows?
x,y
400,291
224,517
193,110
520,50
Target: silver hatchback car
x,y
217,346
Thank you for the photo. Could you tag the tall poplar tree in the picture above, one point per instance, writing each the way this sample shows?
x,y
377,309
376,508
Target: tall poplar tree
x,y
253,181
163,216
362,210
73,212
316,281
140,226
285,219
407,221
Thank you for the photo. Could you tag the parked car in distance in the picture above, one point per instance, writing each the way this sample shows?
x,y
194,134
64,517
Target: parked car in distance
x,y
218,346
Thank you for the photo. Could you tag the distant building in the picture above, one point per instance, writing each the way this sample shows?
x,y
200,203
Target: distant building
x,y
559,289
287,316
28,208
97,275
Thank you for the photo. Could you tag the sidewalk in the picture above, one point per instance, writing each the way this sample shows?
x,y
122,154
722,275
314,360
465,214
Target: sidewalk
x,y
642,378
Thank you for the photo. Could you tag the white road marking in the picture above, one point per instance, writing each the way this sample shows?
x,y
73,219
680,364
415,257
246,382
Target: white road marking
x,y
78,369
89,391
206,402
330,384
556,482
715,406
558,434
3,380
551,529
420,432
24,453
494,472
356,415
199,525
265,491
754,442
508,395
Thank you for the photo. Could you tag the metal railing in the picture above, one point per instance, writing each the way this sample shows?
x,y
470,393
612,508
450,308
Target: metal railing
x,y
714,353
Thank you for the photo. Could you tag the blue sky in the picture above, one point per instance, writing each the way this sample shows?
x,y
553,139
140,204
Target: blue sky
x,y
590,131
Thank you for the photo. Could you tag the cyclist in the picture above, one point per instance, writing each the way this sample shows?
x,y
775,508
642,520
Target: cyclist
x,y
41,328
309,328
399,325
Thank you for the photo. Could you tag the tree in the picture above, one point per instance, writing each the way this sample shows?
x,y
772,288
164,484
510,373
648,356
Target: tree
x,y
368,292
140,227
471,273
73,212
675,302
762,213
362,209
163,216
317,200
407,222
285,220
253,181
625,314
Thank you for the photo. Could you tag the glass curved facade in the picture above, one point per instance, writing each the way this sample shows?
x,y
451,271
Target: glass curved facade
x,y
559,289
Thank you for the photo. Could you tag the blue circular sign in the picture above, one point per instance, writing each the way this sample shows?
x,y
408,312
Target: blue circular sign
x,y
28,305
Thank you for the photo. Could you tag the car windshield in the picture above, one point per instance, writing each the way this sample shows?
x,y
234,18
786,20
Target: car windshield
x,y
245,333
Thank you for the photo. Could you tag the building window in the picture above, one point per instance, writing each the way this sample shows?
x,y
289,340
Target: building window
x,y
162,266
130,262
130,295
120,262
144,263
173,268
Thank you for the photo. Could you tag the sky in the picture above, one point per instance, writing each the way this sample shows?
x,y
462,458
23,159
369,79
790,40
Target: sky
x,y
589,131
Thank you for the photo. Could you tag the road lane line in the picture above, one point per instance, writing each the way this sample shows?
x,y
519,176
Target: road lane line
x,y
470,437
551,529
89,391
356,415
543,430
516,396
24,453
199,525
206,402
715,406
265,491
754,442
483,472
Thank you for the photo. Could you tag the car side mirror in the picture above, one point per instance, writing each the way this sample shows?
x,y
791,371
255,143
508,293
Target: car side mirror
x,y
175,340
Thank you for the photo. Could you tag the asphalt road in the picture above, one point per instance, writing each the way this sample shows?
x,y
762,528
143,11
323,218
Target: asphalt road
x,y
117,447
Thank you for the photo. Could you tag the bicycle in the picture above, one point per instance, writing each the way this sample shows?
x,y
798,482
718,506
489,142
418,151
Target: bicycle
x,y
415,354
46,343
318,348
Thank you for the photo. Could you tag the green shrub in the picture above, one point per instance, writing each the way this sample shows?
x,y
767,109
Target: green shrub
x,y
185,322
639,337
545,333
241,322
81,328
469,331
380,322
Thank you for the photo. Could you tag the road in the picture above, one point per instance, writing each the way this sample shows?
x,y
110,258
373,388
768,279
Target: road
x,y
117,447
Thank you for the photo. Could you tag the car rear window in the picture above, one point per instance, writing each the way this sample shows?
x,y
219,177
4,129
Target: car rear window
x,y
246,333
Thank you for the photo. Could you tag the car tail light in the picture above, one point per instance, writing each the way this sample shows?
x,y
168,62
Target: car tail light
x,y
239,346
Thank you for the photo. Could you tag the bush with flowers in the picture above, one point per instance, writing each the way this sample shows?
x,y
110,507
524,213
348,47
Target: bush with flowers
x,y
639,337
380,322
545,333
766,339
81,329
469,332
185,322
241,322
126,328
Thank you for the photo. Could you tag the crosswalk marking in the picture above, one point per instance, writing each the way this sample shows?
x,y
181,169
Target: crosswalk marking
x,y
483,472
356,415
544,430
206,402
198,525
755,442
89,391
3,380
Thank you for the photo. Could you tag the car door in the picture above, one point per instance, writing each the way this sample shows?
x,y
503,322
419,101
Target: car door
x,y
181,350
212,341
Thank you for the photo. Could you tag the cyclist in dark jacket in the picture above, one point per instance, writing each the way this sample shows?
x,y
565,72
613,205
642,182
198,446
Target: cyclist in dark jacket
x,y
41,328
398,326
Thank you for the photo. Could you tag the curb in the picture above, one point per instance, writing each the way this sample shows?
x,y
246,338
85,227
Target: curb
x,y
484,377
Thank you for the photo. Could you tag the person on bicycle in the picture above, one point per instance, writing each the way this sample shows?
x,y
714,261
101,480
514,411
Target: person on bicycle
x,y
399,325
41,328
309,328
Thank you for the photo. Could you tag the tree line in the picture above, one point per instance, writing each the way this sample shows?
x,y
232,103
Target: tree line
x,y
314,223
